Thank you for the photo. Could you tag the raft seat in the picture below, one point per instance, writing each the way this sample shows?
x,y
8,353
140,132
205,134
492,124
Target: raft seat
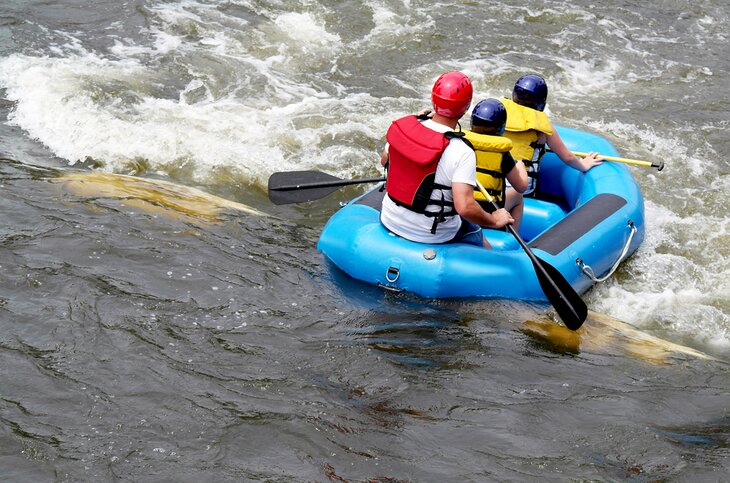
x,y
580,222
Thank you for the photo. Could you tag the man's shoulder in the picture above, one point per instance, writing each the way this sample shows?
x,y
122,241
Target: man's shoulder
x,y
435,126
457,156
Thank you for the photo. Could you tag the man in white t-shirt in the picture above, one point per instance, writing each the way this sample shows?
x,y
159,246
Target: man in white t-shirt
x,y
451,214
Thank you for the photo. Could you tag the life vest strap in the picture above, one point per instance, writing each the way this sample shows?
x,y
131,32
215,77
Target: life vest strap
x,y
439,203
438,216
496,174
539,151
491,191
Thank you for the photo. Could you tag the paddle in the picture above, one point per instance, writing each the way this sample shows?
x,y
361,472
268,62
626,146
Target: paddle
x,y
567,303
659,166
299,186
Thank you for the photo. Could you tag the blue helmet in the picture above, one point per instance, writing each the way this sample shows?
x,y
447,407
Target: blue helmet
x,y
530,91
489,117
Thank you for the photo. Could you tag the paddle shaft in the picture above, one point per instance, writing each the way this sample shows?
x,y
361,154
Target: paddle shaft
x,y
511,229
326,184
659,166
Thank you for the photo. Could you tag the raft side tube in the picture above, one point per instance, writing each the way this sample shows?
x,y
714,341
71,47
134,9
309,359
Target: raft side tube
x,y
478,272
560,180
359,245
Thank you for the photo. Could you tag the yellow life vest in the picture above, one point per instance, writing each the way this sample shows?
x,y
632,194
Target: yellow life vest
x,y
489,151
524,125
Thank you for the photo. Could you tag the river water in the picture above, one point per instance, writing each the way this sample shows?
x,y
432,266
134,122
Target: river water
x,y
174,325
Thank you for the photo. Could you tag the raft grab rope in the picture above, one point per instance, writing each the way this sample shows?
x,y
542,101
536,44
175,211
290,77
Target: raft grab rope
x,y
585,268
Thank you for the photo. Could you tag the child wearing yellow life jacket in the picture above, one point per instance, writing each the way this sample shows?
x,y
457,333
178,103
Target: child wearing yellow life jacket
x,y
494,161
531,131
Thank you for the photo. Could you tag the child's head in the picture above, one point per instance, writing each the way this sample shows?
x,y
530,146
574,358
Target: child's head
x,y
489,117
531,91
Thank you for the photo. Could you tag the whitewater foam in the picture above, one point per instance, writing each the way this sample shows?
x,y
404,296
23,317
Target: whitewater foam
x,y
249,89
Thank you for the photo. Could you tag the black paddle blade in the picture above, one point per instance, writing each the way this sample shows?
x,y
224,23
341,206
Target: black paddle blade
x,y
570,307
567,303
299,186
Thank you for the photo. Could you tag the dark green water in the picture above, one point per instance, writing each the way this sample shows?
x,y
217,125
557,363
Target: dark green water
x,y
144,340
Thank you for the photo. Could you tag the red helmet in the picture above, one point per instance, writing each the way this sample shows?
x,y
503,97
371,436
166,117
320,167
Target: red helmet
x,y
451,95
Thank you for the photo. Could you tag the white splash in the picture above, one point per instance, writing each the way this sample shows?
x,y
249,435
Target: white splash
x,y
395,22
118,111
668,283
308,31
206,91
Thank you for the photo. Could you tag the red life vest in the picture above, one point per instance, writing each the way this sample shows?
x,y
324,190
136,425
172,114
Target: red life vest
x,y
414,153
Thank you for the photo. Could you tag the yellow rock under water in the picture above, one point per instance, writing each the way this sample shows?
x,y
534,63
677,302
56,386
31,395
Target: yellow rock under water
x,y
604,334
152,195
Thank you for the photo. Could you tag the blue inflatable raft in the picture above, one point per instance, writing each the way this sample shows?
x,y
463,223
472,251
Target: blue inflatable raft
x,y
584,224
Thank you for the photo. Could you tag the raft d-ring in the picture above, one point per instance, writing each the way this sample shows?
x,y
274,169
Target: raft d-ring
x,y
392,274
585,268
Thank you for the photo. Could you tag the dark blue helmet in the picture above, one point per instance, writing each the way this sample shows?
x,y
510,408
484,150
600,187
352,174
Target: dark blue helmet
x,y
530,91
489,117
